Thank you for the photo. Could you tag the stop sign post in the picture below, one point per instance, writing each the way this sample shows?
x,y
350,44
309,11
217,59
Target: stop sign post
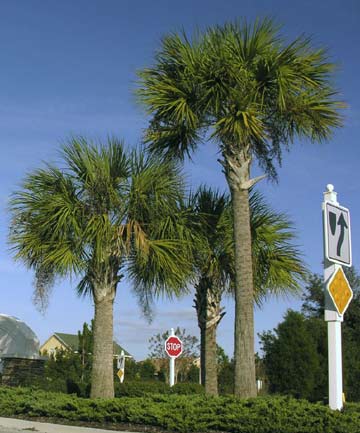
x,y
173,348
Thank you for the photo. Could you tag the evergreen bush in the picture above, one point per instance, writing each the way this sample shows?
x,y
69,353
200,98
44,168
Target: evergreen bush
x,y
139,388
186,388
185,413
142,388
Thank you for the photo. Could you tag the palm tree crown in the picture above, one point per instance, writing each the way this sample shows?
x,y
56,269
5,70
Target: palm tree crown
x,y
105,213
255,91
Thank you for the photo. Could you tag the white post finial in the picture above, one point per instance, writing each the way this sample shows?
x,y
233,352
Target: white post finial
x,y
330,194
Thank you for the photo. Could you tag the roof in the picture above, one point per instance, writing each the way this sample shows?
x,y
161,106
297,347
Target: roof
x,y
17,339
71,341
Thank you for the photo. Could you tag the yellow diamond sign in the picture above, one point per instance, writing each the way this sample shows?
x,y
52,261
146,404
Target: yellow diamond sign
x,y
120,375
340,291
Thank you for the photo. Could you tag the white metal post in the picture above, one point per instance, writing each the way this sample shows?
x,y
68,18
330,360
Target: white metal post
x,y
172,364
334,325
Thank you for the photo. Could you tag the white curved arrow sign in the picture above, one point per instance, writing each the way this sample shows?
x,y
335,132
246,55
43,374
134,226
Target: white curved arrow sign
x,y
337,234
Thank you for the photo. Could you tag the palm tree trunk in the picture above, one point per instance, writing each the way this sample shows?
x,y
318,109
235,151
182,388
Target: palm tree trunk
x,y
202,354
237,163
209,312
208,359
211,382
245,380
102,374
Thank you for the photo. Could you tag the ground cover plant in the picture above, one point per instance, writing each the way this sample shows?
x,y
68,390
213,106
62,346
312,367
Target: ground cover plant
x,y
184,413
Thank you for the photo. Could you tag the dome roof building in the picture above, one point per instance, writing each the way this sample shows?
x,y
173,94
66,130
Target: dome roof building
x,y
17,340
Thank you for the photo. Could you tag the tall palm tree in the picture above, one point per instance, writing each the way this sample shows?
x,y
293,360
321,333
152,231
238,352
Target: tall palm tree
x,y
277,264
105,213
253,92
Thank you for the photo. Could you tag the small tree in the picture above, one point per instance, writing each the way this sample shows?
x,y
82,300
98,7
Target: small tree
x,y
309,331
186,359
291,357
85,350
190,344
70,371
313,308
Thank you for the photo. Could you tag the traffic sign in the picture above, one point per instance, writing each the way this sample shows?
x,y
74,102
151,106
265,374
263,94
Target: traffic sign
x,y
121,366
120,375
337,252
173,346
337,234
340,290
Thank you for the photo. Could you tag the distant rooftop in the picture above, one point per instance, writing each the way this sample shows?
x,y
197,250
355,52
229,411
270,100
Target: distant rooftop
x,y
72,342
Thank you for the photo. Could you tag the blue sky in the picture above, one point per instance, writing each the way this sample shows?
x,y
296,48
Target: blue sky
x,y
70,67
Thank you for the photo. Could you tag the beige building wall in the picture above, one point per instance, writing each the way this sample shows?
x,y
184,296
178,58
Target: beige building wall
x,y
51,346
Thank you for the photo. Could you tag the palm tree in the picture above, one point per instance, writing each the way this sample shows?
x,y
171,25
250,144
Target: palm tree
x,y
106,213
212,265
277,265
252,92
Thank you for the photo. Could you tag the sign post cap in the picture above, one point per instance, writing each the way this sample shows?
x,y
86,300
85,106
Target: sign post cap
x,y
330,194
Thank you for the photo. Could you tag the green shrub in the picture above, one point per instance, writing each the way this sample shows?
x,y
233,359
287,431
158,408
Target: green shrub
x,y
143,388
62,385
226,378
185,388
185,413
140,388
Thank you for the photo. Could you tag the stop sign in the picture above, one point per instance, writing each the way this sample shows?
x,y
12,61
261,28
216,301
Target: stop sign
x,y
173,346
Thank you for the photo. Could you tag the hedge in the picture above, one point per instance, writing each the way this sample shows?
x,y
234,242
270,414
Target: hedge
x,y
185,413
144,388
132,388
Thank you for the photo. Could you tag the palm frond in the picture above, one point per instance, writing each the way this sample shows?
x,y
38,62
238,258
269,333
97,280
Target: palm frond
x,y
278,264
164,270
246,84
106,209
47,212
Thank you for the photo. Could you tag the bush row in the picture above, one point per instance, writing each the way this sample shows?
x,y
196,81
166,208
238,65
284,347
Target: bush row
x,y
134,388
143,388
195,413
